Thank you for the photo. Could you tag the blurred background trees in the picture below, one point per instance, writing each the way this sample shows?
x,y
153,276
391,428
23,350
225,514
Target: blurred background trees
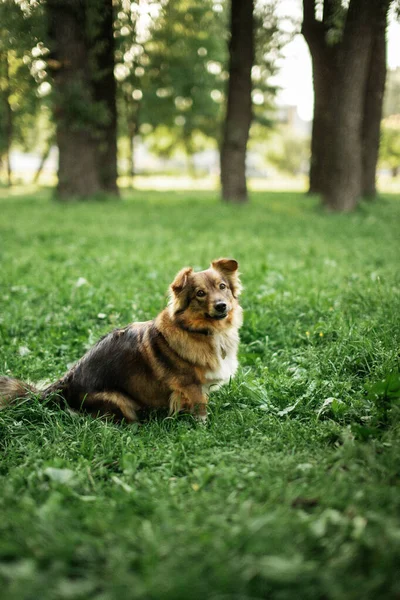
x,y
184,78
21,32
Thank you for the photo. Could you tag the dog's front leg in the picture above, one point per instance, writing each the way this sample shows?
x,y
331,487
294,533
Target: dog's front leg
x,y
189,399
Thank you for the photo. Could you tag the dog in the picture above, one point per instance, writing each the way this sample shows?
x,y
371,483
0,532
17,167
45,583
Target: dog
x,y
173,361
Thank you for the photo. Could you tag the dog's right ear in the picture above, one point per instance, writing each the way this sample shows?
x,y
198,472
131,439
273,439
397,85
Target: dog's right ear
x,y
177,300
181,280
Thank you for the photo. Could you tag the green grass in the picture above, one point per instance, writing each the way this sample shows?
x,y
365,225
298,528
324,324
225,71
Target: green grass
x,y
292,488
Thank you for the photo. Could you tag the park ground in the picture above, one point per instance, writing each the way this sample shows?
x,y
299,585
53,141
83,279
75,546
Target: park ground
x,y
292,488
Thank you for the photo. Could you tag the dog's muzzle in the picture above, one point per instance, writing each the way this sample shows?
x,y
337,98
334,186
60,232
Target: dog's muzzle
x,y
221,311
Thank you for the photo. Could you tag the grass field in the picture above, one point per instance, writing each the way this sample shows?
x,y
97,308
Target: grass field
x,y
292,488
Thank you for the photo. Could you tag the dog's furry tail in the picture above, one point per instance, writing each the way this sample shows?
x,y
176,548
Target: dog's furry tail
x,y
12,389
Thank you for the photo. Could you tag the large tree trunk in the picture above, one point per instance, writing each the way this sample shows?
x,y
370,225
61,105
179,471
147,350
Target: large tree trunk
x,y
239,104
84,115
105,91
373,105
323,58
324,118
348,80
343,180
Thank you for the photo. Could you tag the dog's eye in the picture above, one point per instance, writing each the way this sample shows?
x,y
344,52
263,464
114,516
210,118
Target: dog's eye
x,y
222,286
200,294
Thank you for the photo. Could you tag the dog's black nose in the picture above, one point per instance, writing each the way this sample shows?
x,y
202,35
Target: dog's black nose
x,y
220,307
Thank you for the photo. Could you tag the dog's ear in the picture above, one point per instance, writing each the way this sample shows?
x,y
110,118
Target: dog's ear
x,y
228,267
178,301
180,281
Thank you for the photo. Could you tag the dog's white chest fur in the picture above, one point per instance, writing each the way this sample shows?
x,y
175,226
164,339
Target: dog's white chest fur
x,y
226,345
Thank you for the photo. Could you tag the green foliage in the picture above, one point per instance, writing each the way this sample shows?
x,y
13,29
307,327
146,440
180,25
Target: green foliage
x,y
173,79
389,150
288,151
391,104
182,73
279,495
21,74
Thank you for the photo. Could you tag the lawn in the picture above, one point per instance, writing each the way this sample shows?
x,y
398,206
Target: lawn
x,y
292,488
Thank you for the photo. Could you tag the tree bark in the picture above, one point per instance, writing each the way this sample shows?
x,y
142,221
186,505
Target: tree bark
x,y
105,91
348,82
85,115
373,105
323,58
239,104
343,181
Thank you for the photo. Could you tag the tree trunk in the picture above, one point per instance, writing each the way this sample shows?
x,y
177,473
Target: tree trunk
x,y
132,110
343,180
373,105
105,91
348,84
84,115
43,158
9,119
323,120
239,104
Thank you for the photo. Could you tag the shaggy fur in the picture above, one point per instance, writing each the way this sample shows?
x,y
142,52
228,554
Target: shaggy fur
x,y
172,361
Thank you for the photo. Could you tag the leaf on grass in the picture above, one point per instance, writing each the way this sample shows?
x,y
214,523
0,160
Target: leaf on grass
x,y
122,484
288,409
334,404
59,475
80,282
23,350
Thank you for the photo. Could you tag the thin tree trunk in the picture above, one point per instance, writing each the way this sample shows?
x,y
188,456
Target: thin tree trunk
x,y
131,157
9,120
132,110
373,104
43,159
239,104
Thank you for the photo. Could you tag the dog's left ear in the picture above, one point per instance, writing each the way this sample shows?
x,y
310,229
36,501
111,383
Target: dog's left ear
x,y
228,267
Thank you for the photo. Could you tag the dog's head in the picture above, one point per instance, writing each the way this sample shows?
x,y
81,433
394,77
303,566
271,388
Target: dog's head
x,y
207,299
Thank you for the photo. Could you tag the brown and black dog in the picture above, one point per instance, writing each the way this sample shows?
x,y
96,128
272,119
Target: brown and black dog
x,y
172,361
